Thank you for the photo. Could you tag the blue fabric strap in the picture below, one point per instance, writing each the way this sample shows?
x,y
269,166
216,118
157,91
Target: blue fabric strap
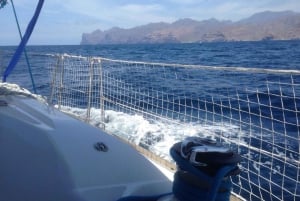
x,y
24,41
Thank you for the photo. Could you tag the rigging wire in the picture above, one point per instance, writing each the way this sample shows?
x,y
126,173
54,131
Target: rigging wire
x,y
24,41
25,52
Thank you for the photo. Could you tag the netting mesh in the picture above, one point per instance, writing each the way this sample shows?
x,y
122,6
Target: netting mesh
x,y
255,111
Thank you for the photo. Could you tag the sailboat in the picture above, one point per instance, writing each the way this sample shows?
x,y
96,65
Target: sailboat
x,y
49,155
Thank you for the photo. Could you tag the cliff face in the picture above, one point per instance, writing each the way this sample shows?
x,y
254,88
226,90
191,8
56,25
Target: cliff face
x,y
261,26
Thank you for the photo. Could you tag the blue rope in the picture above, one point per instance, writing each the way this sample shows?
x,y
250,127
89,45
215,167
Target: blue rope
x,y
25,52
24,41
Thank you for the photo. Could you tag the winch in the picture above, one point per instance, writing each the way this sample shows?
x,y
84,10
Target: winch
x,y
204,168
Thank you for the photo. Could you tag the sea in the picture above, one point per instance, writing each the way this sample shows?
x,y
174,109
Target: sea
x,y
280,55
262,54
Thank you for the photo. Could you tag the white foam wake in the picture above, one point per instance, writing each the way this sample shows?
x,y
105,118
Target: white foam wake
x,y
158,136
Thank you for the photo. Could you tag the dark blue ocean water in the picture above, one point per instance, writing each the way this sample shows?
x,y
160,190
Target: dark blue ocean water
x,y
266,54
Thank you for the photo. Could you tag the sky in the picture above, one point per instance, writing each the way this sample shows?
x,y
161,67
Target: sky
x,y
62,22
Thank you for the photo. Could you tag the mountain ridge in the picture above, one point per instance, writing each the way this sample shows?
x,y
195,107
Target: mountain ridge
x,y
267,25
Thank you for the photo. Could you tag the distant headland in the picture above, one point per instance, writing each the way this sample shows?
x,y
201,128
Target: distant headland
x,y
266,25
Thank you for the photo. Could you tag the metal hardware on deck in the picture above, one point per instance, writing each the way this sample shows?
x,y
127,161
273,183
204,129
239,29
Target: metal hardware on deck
x,y
91,75
100,146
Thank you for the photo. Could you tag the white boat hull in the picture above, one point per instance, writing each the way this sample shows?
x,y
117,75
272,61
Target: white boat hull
x,y
47,155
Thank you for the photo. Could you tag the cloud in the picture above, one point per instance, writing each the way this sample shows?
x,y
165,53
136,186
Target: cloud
x,y
67,20
234,9
140,8
185,2
110,14
279,5
125,13
137,14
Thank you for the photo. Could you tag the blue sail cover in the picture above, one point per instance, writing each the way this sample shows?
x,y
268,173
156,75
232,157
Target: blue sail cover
x,y
24,41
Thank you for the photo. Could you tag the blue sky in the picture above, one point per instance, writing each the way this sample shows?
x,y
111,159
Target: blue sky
x,y
64,21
